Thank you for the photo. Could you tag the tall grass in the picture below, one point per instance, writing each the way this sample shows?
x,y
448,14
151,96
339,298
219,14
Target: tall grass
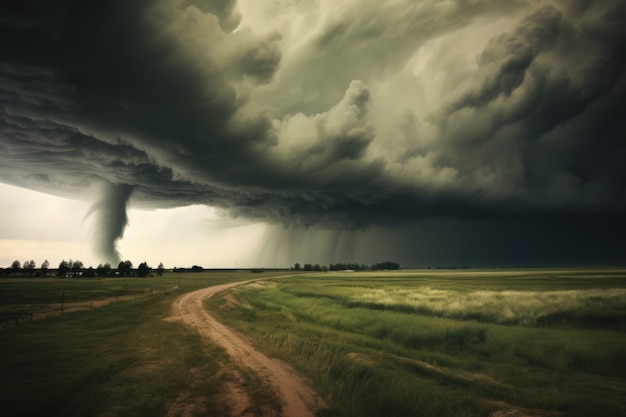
x,y
445,344
585,307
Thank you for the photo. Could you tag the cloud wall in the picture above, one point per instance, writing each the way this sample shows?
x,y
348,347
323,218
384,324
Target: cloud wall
x,y
325,114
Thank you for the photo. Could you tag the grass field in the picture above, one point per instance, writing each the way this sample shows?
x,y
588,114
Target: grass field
x,y
418,343
446,343
110,353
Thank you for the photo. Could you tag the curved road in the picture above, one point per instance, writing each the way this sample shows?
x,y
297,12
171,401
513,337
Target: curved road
x,y
298,399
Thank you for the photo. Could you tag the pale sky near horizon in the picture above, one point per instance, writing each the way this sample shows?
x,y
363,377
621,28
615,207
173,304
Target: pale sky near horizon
x,y
434,132
39,226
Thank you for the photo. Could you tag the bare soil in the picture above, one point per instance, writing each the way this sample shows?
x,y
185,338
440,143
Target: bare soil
x,y
296,399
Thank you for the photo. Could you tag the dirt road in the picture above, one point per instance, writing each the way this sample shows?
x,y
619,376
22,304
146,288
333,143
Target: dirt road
x,y
297,399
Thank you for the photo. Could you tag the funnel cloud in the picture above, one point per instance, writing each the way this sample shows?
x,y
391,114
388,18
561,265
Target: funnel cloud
x,y
109,219
349,119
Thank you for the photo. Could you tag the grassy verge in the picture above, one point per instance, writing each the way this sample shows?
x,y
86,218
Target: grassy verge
x,y
119,359
447,344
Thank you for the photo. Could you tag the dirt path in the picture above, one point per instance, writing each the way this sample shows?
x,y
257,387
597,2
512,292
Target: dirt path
x,y
298,400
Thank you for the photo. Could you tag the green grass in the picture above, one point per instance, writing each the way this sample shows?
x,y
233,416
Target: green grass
x,y
44,296
445,343
121,359
422,343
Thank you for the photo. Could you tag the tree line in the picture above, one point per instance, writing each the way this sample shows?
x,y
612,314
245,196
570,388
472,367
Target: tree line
x,y
381,266
75,268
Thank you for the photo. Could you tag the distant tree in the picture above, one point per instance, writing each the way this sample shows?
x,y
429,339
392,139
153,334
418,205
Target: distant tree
x,y
160,269
71,268
143,270
297,267
16,266
29,267
386,266
343,267
77,267
44,268
89,272
338,267
317,268
308,267
125,268
64,268
103,270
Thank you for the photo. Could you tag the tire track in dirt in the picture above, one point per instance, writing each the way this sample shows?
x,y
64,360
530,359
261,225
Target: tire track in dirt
x,y
298,400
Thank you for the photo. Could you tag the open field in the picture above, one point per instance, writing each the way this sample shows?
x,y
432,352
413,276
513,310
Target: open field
x,y
111,353
446,343
411,343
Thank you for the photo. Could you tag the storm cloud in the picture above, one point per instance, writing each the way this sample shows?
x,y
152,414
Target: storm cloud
x,y
326,115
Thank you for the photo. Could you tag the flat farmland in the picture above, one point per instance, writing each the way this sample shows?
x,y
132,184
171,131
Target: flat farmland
x,y
107,347
527,342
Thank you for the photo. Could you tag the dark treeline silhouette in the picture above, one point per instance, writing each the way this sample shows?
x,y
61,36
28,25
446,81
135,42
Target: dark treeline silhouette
x,y
194,268
347,267
76,269
391,266
27,269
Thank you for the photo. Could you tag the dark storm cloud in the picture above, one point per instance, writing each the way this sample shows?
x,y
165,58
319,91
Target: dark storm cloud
x,y
547,96
181,102
507,57
114,81
454,242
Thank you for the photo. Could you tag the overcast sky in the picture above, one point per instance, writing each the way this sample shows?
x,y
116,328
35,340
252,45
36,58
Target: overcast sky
x,y
262,133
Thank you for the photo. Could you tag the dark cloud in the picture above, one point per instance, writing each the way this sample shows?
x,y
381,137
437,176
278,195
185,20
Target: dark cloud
x,y
535,117
318,120
456,242
507,57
